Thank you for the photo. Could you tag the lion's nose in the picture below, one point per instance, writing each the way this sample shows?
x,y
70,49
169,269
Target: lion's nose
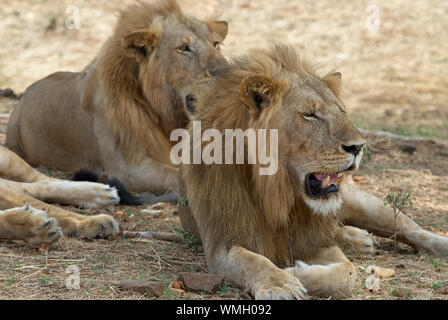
x,y
354,149
214,71
190,102
218,67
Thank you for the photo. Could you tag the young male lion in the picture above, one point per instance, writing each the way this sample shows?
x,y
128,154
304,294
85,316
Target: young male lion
x,y
24,193
117,114
274,235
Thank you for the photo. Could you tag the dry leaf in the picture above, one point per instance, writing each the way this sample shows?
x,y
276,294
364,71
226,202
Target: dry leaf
x,y
385,273
177,286
120,215
402,292
159,206
180,291
152,213
443,291
157,210
44,248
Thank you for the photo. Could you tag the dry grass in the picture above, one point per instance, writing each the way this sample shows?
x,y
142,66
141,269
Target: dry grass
x,y
394,79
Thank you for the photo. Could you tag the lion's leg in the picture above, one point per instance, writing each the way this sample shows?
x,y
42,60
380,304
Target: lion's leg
x,y
149,175
30,224
368,212
328,274
83,194
255,273
72,224
15,168
360,240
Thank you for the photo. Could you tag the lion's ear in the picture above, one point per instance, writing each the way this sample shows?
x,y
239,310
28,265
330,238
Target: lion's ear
x,y
258,92
219,27
333,81
140,44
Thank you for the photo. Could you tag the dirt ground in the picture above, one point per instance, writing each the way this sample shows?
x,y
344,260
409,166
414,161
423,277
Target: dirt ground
x,y
395,79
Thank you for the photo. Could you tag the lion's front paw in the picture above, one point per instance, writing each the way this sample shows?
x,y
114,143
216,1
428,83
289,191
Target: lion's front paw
x,y
364,244
100,226
43,228
359,240
85,194
281,286
97,195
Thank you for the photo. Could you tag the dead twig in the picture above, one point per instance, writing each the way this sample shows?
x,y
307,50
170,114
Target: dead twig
x,y
165,236
411,139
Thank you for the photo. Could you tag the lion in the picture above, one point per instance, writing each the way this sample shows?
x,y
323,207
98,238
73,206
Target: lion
x,y
275,235
115,117
24,193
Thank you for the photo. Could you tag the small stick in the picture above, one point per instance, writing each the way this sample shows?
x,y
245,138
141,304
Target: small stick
x,y
412,139
165,236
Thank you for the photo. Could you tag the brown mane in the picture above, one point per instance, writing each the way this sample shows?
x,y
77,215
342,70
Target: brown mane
x,y
233,203
139,112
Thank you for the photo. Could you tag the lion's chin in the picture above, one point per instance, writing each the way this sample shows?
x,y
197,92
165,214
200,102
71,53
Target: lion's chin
x,y
326,205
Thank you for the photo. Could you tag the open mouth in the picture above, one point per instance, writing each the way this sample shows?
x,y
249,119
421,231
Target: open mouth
x,y
318,185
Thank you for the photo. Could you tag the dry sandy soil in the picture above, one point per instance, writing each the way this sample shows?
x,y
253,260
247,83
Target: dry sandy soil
x,y
395,79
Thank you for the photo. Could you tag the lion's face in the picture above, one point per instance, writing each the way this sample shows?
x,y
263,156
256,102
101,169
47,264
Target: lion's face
x,y
190,53
196,94
317,141
175,52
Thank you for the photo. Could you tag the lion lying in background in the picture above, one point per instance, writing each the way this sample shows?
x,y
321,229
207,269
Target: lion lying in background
x,y
26,216
275,235
117,114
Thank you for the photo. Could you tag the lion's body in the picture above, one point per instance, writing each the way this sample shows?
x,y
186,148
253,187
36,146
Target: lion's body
x,y
115,116
254,227
60,136
267,233
26,216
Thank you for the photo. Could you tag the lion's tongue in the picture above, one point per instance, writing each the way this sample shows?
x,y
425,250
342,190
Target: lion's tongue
x,y
326,179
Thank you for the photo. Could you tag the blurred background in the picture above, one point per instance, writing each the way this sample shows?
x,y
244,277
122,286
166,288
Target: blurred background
x,y
394,61
393,56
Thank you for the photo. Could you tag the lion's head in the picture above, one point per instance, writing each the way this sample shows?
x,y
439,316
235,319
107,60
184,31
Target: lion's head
x,y
185,47
154,52
276,89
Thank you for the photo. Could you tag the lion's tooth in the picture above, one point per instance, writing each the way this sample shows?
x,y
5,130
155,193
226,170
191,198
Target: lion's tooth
x,y
340,179
326,182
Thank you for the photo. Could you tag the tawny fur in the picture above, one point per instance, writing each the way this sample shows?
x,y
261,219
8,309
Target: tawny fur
x,y
268,214
117,114
26,216
252,225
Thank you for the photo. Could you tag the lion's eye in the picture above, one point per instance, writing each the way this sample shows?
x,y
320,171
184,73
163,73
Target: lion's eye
x,y
215,44
311,116
184,48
